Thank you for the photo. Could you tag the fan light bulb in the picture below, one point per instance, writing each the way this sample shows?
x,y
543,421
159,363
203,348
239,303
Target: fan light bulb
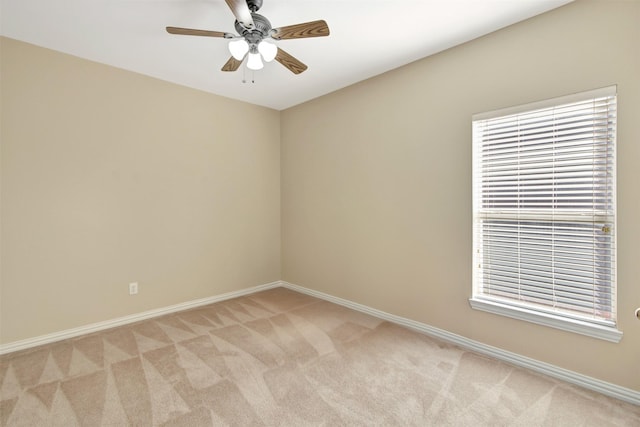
x,y
238,48
254,62
267,50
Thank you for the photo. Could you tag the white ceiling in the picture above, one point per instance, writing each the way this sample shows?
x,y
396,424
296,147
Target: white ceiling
x,y
368,37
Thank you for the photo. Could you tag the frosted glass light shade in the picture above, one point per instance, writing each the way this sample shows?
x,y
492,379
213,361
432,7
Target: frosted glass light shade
x,y
267,50
238,48
254,62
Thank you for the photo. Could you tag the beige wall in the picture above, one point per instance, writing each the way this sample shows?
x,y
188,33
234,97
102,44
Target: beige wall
x,y
376,179
110,177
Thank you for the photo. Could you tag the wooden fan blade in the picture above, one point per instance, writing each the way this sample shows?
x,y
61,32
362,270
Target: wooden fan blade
x,y
295,66
241,12
192,32
300,31
232,64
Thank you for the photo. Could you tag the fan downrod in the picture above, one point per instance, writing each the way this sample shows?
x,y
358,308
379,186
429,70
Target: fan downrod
x,y
254,5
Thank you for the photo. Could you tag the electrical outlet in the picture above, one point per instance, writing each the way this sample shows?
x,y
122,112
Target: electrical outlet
x,y
133,288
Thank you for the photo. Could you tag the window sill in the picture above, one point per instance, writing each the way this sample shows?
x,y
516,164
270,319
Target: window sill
x,y
558,322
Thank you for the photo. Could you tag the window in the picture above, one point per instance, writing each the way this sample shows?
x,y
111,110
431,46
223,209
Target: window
x,y
544,213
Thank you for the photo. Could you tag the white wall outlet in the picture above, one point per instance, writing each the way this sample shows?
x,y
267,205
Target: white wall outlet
x,y
133,288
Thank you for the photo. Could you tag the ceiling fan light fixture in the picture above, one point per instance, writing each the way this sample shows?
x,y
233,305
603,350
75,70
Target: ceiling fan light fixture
x,y
253,29
254,62
238,48
267,50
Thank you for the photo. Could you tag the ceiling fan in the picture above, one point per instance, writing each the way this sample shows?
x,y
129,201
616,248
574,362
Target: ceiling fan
x,y
254,30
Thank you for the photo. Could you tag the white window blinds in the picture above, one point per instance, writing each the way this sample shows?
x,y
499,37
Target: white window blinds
x,y
544,207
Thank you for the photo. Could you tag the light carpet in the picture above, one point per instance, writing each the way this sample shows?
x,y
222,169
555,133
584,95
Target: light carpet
x,y
281,358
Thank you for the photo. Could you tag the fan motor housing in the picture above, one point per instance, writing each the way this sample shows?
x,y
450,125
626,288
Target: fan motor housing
x,y
261,25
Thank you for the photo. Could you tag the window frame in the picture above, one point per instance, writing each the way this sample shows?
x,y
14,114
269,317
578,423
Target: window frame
x,y
520,310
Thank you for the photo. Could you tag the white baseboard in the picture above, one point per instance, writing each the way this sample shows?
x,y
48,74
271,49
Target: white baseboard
x,y
100,326
606,388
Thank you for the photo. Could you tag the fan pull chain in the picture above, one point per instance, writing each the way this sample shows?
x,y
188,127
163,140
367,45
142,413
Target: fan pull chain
x,y
244,75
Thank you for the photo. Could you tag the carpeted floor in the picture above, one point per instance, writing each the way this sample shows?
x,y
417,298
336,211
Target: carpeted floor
x,y
282,358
